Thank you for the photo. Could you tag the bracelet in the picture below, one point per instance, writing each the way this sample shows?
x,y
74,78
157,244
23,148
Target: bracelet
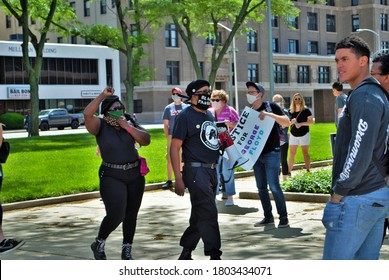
x,y
130,129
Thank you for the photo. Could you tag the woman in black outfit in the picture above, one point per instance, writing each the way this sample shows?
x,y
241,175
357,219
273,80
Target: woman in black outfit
x,y
121,184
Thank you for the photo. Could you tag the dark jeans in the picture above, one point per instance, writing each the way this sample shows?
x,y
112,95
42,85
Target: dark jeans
x,y
284,159
203,222
122,193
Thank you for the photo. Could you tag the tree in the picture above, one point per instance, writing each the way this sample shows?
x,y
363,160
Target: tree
x,y
201,19
128,38
45,11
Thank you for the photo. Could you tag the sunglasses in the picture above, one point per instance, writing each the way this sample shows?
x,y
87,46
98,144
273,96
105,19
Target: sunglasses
x,y
174,93
215,100
297,99
117,108
207,92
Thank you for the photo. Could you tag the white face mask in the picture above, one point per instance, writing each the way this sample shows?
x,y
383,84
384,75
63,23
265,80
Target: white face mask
x,y
278,103
216,105
251,98
176,98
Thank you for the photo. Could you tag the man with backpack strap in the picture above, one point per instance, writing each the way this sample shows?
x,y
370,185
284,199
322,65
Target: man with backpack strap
x,y
354,216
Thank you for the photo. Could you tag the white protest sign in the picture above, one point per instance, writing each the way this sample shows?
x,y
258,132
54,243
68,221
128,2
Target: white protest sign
x,y
250,135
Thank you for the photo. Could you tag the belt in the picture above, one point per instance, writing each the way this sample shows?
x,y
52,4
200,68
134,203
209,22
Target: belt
x,y
201,164
122,166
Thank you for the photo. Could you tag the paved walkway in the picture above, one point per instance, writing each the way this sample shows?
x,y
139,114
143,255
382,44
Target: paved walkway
x,y
65,231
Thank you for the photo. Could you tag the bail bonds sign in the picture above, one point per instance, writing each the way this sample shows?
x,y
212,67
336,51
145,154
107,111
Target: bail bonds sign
x,y
250,135
18,92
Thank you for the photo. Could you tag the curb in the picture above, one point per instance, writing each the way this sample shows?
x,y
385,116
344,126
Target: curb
x,y
302,197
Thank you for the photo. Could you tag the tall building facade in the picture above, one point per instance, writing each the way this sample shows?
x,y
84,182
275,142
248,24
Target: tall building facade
x,y
302,52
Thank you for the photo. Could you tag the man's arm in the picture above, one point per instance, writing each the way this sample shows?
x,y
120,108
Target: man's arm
x,y
176,164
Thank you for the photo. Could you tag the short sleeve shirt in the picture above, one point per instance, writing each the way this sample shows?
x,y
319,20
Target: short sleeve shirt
x,y
170,113
227,113
198,132
303,117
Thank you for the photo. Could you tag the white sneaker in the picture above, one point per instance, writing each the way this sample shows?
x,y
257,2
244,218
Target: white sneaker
x,y
229,202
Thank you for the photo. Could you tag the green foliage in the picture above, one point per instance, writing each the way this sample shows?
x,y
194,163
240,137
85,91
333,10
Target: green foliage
x,y
318,181
12,120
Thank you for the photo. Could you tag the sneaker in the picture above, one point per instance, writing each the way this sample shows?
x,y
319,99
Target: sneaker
x,y
126,251
9,245
283,223
229,202
167,185
264,222
98,249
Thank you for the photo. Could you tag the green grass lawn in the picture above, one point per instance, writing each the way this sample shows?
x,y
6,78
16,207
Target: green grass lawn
x,y
49,166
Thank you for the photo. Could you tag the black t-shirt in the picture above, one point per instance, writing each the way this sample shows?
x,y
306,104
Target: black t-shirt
x,y
303,117
199,135
116,146
273,142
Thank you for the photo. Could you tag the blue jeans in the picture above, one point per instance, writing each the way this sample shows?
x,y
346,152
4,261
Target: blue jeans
x,y
354,226
266,171
228,175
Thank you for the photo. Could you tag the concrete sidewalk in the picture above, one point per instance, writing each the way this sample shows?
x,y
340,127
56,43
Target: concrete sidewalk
x,y
65,231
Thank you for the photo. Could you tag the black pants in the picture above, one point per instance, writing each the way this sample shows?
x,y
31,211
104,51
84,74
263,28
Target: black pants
x,y
122,193
284,159
203,222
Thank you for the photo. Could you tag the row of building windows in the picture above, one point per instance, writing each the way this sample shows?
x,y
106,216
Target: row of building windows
x,y
280,73
55,71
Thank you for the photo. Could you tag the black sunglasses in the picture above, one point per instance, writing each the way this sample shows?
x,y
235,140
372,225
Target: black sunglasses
x,y
297,99
207,92
215,100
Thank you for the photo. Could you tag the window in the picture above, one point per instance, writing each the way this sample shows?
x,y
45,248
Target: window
x,y
252,72
131,4
331,47
201,66
86,8
8,21
292,22
385,47
313,47
330,3
274,21
331,23
354,2
384,2
103,7
109,71
252,41
324,74
293,46
384,22
60,40
275,48
303,74
280,73
113,4
171,38
134,30
55,71
33,21
73,5
312,21
73,39
172,72
355,22
211,40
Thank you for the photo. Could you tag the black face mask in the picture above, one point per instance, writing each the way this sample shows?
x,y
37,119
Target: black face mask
x,y
204,101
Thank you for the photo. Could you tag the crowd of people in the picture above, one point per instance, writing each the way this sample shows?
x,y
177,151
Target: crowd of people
x,y
354,216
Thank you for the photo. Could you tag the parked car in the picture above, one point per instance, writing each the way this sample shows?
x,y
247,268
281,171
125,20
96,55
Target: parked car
x,y
59,118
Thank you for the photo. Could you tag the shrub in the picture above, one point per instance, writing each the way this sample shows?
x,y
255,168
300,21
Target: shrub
x,y
12,120
318,181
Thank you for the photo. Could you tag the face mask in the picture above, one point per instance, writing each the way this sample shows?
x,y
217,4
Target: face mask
x,y
203,102
278,103
176,98
116,114
216,105
251,98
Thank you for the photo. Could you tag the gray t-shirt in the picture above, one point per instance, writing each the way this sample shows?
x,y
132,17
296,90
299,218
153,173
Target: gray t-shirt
x,y
170,113
339,103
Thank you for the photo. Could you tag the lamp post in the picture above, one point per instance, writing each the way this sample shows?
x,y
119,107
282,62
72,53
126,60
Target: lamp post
x,y
235,73
378,42
270,47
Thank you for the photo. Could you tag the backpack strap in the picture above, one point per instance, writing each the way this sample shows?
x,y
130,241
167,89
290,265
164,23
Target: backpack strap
x,y
268,107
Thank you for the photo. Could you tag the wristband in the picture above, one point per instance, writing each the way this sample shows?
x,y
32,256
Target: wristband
x,y
130,129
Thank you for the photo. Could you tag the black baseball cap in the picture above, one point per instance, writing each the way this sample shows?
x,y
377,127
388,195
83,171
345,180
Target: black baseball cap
x,y
259,87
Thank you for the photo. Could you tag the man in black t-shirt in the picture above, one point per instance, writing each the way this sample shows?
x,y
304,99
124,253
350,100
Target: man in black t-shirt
x,y
195,131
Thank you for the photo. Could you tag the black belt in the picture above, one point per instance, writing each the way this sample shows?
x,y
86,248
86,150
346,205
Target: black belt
x,y
201,164
122,166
